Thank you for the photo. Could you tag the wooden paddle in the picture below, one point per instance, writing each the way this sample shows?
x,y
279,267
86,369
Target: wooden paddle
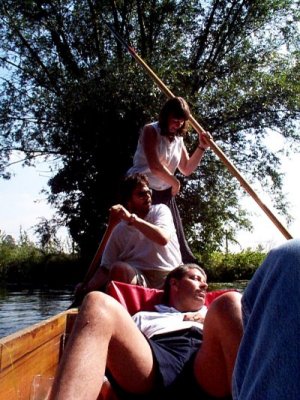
x,y
200,129
78,297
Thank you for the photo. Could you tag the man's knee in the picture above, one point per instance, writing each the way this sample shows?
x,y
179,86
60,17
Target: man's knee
x,y
226,302
98,304
225,312
123,272
119,268
94,297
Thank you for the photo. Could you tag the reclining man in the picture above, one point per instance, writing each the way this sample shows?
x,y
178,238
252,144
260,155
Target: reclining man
x,y
154,355
142,245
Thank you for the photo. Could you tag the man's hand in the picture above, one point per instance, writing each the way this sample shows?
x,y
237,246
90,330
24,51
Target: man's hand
x,y
194,316
118,213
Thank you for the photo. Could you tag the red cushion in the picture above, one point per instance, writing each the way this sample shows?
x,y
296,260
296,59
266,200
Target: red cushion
x,y
136,298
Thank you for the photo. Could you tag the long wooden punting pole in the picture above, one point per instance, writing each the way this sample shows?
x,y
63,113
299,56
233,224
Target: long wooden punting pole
x,y
199,129
93,266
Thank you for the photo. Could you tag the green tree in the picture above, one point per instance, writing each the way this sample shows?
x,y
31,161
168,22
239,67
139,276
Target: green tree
x,y
70,91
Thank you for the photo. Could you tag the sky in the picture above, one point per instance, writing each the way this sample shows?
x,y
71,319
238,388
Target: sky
x,y
22,205
265,232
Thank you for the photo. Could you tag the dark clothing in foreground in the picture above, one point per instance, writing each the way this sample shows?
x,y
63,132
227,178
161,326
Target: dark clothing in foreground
x,y
174,354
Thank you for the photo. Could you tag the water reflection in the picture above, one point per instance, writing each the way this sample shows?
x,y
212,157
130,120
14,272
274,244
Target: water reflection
x,y
21,308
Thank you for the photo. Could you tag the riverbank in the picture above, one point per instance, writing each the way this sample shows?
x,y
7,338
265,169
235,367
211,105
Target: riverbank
x,y
35,269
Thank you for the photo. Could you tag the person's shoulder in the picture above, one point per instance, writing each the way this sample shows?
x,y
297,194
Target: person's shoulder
x,y
154,124
151,127
160,208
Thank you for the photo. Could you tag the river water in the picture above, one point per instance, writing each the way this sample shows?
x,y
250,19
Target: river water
x,y
21,308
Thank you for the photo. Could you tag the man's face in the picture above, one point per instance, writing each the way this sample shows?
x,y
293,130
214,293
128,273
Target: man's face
x,y
141,200
191,290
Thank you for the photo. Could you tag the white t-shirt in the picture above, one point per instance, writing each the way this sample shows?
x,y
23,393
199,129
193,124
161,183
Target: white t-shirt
x,y
128,244
165,319
169,154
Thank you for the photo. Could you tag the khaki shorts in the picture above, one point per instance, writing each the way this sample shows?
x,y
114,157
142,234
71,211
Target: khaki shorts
x,y
150,278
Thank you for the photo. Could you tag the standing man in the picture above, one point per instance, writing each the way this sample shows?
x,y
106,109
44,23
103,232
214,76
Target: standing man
x,y
143,245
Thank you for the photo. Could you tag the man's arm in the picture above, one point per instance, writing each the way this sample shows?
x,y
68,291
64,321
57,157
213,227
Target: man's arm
x,y
156,233
153,232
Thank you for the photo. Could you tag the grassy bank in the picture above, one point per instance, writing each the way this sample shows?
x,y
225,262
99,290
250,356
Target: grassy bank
x,y
25,264
229,267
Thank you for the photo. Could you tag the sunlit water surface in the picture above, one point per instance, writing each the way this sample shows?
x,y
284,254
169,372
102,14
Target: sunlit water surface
x,y
21,308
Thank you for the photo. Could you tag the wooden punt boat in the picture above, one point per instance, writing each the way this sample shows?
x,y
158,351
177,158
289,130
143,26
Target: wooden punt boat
x,y
36,350
30,352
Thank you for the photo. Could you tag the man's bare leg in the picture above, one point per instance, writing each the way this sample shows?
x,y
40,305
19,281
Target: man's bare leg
x,y
104,334
123,272
222,334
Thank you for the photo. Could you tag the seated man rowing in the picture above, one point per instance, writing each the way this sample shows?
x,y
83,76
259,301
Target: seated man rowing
x,y
154,355
141,244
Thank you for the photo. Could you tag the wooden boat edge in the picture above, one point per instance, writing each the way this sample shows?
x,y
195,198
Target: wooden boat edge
x,y
35,350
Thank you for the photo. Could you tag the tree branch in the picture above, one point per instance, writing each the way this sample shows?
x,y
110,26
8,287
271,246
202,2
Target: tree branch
x,y
32,52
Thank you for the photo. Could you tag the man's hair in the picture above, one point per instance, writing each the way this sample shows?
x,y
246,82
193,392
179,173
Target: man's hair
x,y
179,109
179,273
128,184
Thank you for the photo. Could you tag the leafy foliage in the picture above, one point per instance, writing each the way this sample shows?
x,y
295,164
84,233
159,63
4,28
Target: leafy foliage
x,y
228,267
70,91
23,263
